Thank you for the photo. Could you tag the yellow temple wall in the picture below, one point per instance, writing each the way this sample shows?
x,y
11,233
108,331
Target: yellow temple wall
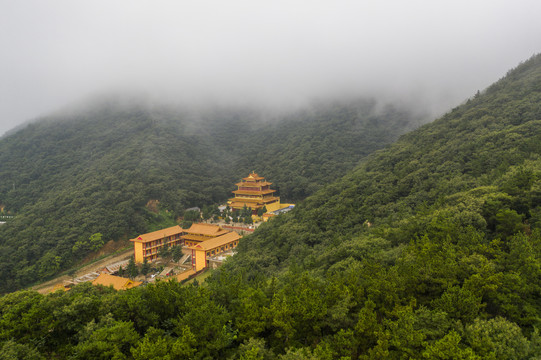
x,y
273,207
267,215
283,206
138,252
200,259
276,206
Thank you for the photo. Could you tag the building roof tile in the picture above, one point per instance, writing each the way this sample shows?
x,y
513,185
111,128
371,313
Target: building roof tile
x,y
253,184
195,237
159,234
205,229
253,176
217,241
118,283
254,192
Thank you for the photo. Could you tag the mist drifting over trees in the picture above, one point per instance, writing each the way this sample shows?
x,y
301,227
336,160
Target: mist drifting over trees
x,y
279,54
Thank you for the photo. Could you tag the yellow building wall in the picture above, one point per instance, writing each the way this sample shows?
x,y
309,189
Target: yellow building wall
x,y
273,207
200,260
138,252
276,206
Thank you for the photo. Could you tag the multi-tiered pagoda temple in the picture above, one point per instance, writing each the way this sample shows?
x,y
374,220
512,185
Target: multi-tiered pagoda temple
x,y
254,192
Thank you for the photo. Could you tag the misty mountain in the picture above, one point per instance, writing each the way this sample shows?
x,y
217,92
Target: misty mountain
x,y
488,147
93,168
429,248
450,210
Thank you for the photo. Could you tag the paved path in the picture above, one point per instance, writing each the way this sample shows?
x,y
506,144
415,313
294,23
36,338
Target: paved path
x,y
48,286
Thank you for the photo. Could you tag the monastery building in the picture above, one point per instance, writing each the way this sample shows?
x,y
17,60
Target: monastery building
x,y
146,246
254,192
204,241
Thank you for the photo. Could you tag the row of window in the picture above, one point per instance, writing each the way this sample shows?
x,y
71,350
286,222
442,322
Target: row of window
x,y
261,188
153,249
160,242
222,249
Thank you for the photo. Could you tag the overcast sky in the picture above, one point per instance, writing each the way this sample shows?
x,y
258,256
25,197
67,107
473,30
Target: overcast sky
x,y
272,52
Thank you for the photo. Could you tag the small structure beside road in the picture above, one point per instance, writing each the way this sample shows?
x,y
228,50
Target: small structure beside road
x,y
117,282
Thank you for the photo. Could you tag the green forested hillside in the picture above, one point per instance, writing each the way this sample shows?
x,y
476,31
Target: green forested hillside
x,y
93,169
300,156
438,237
487,149
430,249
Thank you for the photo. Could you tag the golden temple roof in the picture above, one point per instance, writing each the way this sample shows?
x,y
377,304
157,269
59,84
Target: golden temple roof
x,y
118,283
253,177
253,200
206,229
159,234
195,237
247,200
217,241
253,184
254,192
255,203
